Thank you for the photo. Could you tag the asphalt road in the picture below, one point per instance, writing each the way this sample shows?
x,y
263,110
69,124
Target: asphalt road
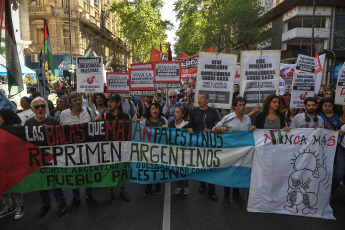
x,y
193,211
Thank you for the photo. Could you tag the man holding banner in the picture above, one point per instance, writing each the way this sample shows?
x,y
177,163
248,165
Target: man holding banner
x,y
39,106
235,121
205,118
309,119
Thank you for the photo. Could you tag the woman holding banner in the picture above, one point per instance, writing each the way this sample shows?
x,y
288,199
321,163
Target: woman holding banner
x,y
9,117
180,122
271,118
330,116
154,118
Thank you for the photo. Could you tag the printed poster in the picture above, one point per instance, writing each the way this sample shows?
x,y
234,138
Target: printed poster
x,y
216,73
118,83
259,75
90,75
303,86
340,92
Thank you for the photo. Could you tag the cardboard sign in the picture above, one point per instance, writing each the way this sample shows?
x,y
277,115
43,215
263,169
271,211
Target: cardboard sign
x,y
340,92
303,86
216,73
306,63
259,75
148,65
167,71
90,74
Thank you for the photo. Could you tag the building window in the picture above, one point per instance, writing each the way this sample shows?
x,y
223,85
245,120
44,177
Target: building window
x,y
40,36
65,36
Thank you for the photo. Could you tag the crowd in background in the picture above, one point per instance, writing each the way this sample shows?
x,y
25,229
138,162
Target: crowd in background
x,y
172,109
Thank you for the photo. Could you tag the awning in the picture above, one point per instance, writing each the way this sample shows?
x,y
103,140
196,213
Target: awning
x,y
25,70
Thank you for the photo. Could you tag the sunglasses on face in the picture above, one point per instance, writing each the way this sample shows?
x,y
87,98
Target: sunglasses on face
x,y
40,106
158,95
172,96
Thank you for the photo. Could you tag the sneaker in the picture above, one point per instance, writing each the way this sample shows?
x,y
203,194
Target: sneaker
x,y
91,202
19,213
147,191
178,191
226,201
158,189
109,198
212,195
75,204
124,196
42,211
186,191
7,211
62,210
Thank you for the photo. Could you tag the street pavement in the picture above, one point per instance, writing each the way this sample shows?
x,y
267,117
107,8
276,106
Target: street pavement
x,y
164,211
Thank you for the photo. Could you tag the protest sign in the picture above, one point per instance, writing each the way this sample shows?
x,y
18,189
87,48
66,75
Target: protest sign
x,y
340,92
286,74
90,74
118,83
5,103
319,72
303,86
148,65
292,172
167,72
216,74
141,82
238,74
306,63
259,75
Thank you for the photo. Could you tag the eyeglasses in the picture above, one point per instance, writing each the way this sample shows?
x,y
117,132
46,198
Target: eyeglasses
x,y
38,106
172,96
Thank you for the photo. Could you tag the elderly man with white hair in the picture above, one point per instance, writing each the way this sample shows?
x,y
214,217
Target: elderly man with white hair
x,y
40,108
169,109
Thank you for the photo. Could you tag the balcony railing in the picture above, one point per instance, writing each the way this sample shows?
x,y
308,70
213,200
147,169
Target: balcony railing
x,y
42,9
305,33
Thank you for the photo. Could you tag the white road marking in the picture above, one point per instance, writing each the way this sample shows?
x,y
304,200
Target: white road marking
x,y
166,209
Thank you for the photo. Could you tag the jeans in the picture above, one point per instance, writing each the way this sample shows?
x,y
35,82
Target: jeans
x,y
7,201
234,191
58,194
339,171
76,193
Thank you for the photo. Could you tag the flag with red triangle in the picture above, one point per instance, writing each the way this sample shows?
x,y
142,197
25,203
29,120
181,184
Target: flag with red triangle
x,y
318,66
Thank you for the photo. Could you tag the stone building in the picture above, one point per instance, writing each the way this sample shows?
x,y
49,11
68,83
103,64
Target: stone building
x,y
92,25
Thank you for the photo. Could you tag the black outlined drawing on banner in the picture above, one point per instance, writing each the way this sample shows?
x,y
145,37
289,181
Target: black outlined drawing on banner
x,y
304,182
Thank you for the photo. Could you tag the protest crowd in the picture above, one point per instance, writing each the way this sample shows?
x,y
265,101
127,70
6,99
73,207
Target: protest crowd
x,y
171,109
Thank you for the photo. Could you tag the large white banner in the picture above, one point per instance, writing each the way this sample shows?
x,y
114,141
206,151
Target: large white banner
x,y
216,73
340,92
259,75
292,172
90,75
303,86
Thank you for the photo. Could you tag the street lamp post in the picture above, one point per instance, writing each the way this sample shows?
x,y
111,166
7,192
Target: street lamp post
x,y
333,67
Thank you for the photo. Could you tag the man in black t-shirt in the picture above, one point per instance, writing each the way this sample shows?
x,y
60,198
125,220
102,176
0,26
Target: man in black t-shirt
x,y
115,113
39,107
205,118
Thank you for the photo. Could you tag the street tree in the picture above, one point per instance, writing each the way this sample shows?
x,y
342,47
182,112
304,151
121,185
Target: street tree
x,y
142,25
225,24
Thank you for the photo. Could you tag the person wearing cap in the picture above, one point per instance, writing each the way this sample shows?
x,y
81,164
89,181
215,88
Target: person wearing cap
x,y
9,117
39,106
115,113
158,99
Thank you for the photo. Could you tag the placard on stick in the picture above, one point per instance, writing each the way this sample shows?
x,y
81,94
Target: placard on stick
x,y
141,82
306,63
118,83
259,75
216,73
340,92
303,86
90,75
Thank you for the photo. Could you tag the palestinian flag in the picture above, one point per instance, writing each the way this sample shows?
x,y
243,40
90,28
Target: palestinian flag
x,y
48,48
89,53
277,137
14,72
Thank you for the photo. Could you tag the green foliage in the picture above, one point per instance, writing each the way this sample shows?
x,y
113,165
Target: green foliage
x,y
224,24
142,25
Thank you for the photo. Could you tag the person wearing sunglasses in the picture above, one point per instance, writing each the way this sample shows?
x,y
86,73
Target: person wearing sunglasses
x,y
170,109
39,107
271,117
159,99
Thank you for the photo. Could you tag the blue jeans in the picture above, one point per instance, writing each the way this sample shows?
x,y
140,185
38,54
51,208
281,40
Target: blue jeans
x,y
76,193
339,171
58,194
